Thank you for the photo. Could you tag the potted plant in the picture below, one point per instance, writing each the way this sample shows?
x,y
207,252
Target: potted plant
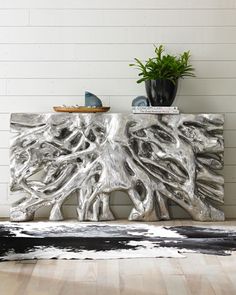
x,y
161,74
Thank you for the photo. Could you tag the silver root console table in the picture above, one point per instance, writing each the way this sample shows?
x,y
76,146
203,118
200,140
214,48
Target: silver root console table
x,y
153,158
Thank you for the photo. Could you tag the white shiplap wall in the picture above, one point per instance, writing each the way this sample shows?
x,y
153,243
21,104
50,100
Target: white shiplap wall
x,y
51,51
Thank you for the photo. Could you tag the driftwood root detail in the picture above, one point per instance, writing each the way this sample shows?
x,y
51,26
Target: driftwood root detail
x,y
156,159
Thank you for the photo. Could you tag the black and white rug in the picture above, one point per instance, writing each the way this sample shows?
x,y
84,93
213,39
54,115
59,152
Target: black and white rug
x,y
74,240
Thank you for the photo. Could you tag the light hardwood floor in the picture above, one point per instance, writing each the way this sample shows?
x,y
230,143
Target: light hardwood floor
x,y
195,274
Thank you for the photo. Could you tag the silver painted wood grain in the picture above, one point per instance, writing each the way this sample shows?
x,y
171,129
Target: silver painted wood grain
x,y
153,158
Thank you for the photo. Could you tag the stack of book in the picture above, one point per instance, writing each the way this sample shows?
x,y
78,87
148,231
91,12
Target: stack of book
x,y
155,110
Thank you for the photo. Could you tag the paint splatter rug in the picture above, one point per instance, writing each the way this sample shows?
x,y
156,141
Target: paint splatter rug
x,y
74,240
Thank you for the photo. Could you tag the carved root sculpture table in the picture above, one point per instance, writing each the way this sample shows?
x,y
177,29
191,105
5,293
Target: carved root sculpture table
x,y
154,158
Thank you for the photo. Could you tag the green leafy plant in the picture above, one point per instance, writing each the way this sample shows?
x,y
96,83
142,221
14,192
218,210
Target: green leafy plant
x,y
168,67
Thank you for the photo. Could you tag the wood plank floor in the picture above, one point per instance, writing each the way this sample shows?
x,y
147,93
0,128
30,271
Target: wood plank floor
x,y
195,274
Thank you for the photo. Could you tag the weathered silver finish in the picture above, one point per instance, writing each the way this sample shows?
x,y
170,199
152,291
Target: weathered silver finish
x,y
154,158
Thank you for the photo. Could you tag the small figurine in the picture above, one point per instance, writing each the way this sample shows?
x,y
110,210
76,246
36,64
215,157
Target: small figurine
x,y
140,101
91,100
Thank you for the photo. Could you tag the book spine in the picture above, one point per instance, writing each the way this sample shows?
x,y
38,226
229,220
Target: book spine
x,y
154,112
156,108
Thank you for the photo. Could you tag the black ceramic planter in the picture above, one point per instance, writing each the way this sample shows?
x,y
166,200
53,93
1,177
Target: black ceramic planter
x,y
161,92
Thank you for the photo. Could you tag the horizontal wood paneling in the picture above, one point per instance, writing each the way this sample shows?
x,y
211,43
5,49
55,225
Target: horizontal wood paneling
x,y
14,17
38,52
229,173
4,174
209,104
230,156
3,87
110,52
108,70
36,104
3,193
129,51
117,35
52,51
4,139
108,4
230,138
230,119
230,194
72,86
207,86
4,157
4,119
133,17
4,210
108,86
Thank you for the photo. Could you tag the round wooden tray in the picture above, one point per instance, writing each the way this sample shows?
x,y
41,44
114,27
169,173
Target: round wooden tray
x,y
81,109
